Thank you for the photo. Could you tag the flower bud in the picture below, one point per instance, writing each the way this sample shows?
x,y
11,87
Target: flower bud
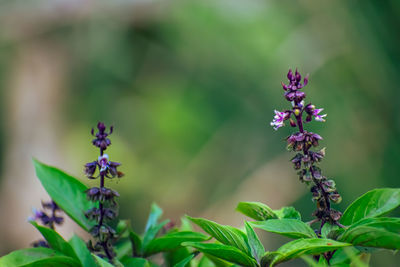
x,y
335,215
284,86
290,74
292,122
335,197
310,108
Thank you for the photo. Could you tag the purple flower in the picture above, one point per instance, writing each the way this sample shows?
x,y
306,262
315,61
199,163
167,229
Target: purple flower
x,y
103,163
316,115
279,118
108,168
90,168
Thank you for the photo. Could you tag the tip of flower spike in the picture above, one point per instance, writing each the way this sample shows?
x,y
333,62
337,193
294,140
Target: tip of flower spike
x,y
290,74
101,126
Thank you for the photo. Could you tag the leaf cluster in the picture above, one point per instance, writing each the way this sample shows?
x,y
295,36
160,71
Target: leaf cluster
x,y
364,227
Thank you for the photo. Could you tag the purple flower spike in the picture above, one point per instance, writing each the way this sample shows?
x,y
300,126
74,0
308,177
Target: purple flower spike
x,y
302,142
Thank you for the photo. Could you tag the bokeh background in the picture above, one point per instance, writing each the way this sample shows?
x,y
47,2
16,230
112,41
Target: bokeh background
x,y
190,87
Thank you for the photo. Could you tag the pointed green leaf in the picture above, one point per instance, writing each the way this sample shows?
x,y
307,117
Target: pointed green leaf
x,y
81,250
225,234
186,225
288,213
344,256
206,262
123,247
173,257
155,215
55,241
288,227
37,257
136,242
374,203
135,262
256,210
261,212
172,241
374,232
312,263
257,248
228,253
185,261
67,192
300,247
102,262
328,230
151,233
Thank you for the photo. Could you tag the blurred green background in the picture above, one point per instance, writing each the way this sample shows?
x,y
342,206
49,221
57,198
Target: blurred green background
x,y
190,87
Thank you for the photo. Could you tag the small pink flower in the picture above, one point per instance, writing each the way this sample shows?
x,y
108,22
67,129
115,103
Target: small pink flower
x,y
279,118
316,115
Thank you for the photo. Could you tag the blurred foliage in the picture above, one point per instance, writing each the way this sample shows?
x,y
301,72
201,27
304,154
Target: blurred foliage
x,y
191,87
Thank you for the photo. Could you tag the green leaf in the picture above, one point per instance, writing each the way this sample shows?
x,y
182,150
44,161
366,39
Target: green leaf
x,y
228,253
82,251
225,234
288,227
257,249
374,203
206,262
55,241
172,241
186,225
344,256
185,261
37,257
374,232
101,262
136,242
256,210
67,192
300,247
173,257
261,212
135,262
122,228
328,230
288,213
155,215
123,247
311,262
151,233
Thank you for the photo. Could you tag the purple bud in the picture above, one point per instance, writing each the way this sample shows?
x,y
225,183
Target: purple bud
x,y
335,215
290,75
298,76
101,127
284,86
90,168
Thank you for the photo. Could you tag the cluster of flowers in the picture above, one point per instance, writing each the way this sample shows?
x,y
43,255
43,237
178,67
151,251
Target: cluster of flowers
x,y
46,219
107,209
323,190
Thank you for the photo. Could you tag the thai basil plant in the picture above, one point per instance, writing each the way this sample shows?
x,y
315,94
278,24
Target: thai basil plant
x,y
332,238
95,210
